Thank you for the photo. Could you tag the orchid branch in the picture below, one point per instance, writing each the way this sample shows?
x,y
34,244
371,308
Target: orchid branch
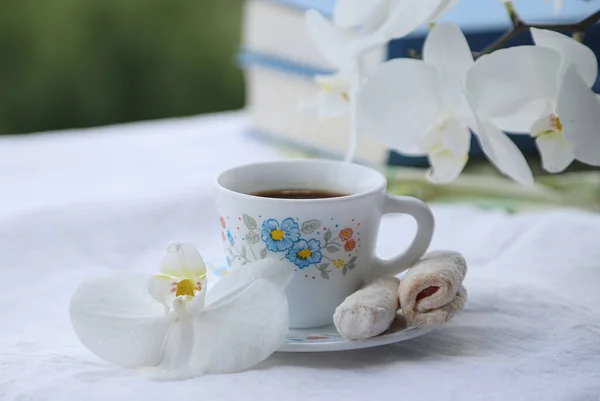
x,y
512,13
518,26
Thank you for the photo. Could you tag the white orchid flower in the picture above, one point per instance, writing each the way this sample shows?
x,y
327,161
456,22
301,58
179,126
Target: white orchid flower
x,y
388,19
380,21
333,98
368,15
161,324
544,90
419,108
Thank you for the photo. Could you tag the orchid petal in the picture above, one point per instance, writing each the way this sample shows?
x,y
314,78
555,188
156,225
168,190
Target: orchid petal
x,y
556,153
407,15
177,350
178,346
465,114
160,287
445,166
273,270
503,153
398,104
332,100
116,319
330,40
376,19
520,122
579,113
508,81
572,53
447,49
431,141
331,105
456,138
448,148
354,13
363,44
450,135
183,260
241,329
544,125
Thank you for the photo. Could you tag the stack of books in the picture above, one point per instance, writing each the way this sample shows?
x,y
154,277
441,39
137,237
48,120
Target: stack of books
x,y
280,60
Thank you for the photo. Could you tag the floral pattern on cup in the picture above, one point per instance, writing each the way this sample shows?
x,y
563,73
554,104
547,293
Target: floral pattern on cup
x,y
349,245
308,244
346,234
278,238
305,253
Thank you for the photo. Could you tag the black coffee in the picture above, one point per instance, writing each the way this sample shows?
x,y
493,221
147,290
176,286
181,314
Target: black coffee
x,y
298,194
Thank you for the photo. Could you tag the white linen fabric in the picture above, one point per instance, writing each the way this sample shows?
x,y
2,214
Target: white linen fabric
x,y
83,203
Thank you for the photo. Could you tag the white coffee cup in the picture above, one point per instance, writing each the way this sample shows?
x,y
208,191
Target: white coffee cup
x,y
329,242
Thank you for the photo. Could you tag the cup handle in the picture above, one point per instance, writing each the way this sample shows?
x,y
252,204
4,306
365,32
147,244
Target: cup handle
x,y
425,224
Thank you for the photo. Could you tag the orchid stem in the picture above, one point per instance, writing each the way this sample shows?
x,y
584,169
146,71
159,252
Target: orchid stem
x,y
578,36
353,139
512,13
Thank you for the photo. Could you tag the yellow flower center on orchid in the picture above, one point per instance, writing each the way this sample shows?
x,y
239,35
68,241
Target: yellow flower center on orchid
x,y
185,287
277,235
554,131
556,122
304,254
328,88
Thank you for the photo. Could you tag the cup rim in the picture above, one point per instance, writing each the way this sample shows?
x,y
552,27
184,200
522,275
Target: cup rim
x,y
380,187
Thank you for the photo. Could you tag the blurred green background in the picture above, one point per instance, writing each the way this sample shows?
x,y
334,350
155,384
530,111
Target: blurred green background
x,y
81,63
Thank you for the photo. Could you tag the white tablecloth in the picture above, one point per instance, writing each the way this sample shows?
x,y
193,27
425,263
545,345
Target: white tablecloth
x,y
79,204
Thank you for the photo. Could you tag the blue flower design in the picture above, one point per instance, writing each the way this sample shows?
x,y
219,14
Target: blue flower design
x,y
305,253
229,237
279,238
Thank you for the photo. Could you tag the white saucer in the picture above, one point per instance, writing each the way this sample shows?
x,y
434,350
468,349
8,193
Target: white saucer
x,y
323,339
